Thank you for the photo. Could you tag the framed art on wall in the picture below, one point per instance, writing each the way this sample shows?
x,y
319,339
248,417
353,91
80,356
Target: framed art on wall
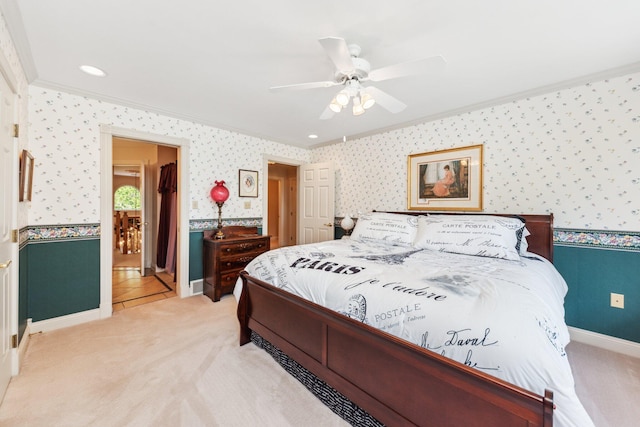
x,y
248,183
448,180
26,176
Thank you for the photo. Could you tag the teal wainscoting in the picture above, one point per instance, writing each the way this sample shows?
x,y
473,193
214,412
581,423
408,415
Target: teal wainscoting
x,y
196,269
63,278
593,267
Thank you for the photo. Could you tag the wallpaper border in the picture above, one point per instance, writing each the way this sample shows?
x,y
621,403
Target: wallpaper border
x,y
48,233
629,241
624,240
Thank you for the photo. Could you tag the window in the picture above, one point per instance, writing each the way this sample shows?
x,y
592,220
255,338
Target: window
x,y
126,198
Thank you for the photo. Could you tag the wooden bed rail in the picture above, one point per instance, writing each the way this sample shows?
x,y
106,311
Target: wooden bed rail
x,y
395,381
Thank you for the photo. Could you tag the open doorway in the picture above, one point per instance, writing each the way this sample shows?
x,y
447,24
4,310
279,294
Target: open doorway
x,y
144,222
282,204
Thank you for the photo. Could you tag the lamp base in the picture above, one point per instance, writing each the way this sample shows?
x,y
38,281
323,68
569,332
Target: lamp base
x,y
219,234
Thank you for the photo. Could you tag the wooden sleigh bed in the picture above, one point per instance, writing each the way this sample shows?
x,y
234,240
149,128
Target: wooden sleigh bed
x,y
396,382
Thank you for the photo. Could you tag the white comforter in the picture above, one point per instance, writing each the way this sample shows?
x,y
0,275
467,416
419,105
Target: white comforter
x,y
505,318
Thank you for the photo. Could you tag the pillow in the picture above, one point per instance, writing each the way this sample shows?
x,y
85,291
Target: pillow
x,y
480,235
524,246
396,229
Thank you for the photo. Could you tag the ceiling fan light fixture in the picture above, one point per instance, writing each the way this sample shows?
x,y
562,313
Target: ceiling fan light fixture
x,y
342,98
357,109
334,106
367,101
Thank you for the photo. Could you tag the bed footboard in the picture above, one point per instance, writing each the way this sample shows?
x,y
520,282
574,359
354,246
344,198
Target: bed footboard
x,y
395,381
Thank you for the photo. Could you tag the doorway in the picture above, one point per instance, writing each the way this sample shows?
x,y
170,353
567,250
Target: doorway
x,y
140,226
150,151
282,204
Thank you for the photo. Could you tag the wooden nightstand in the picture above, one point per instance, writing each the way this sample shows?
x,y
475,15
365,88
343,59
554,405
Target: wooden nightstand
x,y
225,258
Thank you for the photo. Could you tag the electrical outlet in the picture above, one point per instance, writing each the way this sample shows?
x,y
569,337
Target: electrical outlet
x,y
617,300
247,205
194,204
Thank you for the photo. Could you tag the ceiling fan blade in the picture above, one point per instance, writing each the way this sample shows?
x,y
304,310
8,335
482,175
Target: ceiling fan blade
x,y
409,68
327,113
337,49
385,100
301,86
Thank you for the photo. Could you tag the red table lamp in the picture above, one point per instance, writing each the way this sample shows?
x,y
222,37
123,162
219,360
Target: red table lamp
x,y
219,193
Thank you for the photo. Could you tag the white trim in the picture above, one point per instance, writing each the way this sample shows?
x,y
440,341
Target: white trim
x,y
65,321
606,342
107,132
14,22
266,158
24,345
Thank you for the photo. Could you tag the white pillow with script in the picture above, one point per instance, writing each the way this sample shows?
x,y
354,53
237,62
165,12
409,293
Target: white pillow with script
x,y
395,229
479,235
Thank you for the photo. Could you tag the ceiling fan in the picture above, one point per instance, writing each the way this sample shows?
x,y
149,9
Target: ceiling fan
x,y
352,71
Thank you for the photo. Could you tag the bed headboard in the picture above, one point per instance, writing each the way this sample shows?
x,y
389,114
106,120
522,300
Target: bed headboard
x,y
540,226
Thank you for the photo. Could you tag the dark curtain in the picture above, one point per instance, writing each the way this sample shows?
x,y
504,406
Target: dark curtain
x,y
167,187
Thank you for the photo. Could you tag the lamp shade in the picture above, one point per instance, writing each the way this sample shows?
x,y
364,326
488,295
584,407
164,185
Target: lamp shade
x,y
347,223
219,193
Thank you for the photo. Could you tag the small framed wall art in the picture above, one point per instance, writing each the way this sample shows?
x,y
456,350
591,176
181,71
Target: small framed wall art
x,y
26,176
248,183
447,180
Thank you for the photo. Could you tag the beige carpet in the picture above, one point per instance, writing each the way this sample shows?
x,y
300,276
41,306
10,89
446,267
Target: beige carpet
x,y
176,362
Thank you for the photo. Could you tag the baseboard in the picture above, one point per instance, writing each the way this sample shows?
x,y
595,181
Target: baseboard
x,y
196,286
606,342
65,321
22,348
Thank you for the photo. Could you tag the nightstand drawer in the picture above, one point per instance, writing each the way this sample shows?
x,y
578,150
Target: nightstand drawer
x,y
241,248
229,278
236,262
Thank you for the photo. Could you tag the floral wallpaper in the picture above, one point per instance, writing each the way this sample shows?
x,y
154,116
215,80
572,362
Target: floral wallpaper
x,y
64,138
574,152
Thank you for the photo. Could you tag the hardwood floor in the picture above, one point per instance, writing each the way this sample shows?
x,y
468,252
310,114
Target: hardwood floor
x,y
130,288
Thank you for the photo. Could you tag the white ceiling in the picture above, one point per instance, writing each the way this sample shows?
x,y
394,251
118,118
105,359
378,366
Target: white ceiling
x,y
213,62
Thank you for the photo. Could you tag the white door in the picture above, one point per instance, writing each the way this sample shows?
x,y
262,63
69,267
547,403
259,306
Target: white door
x,y
8,162
316,196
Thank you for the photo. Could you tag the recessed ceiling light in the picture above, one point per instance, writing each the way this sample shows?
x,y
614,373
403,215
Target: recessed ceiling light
x,y
93,71
313,136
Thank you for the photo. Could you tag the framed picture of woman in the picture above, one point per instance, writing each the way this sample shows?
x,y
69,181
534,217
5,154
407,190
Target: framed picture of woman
x,y
446,180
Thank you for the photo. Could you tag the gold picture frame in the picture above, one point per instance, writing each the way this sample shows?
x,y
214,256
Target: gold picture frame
x,y
26,176
247,183
446,180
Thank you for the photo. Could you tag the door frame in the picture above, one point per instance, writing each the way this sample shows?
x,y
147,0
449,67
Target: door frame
x,y
107,132
266,158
